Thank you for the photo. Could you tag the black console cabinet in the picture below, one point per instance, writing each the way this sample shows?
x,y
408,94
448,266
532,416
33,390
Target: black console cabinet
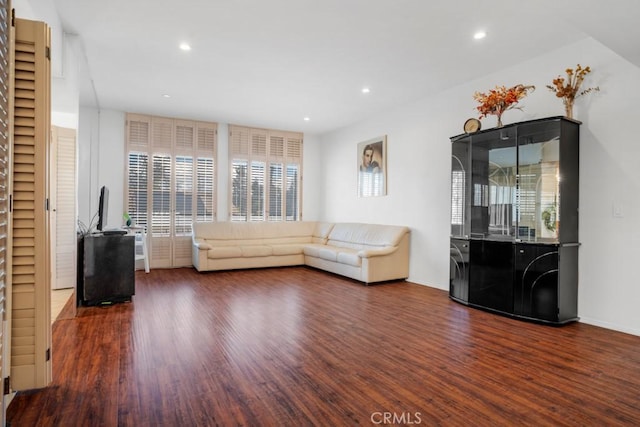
x,y
514,220
106,269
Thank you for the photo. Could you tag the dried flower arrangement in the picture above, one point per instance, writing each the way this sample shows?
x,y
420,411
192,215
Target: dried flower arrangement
x,y
501,99
569,91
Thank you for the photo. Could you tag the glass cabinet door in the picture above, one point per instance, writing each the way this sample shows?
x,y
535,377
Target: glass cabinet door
x,y
493,189
460,181
538,195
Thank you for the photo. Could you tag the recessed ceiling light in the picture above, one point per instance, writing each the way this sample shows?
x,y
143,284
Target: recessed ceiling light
x,y
306,119
479,35
366,90
166,95
185,46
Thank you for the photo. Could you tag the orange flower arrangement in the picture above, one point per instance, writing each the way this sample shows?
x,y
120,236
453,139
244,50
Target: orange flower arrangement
x,y
569,91
501,99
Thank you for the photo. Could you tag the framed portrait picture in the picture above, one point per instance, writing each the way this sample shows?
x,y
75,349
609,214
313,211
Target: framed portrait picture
x,y
372,167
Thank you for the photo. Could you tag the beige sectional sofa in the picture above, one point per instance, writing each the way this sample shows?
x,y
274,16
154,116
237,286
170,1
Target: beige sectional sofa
x,y
366,252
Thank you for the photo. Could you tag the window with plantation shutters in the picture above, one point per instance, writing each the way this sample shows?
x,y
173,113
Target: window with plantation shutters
x,y
266,176
170,182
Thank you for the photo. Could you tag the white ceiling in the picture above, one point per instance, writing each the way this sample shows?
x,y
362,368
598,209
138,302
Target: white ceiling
x,y
270,63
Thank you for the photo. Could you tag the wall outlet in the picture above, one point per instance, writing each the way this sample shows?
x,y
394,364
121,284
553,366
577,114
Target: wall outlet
x,y
617,210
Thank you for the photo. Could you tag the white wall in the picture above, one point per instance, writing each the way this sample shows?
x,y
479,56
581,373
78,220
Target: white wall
x,y
101,162
65,54
418,167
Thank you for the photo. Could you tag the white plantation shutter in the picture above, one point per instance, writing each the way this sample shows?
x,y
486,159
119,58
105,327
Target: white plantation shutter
x,y
206,141
161,184
180,192
183,195
184,136
239,190
258,143
257,191
63,216
238,142
270,194
292,188
138,131
206,137
204,189
275,191
294,148
161,133
276,147
137,194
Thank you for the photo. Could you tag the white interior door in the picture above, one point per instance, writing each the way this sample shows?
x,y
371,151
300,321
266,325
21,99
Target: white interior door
x,y
63,208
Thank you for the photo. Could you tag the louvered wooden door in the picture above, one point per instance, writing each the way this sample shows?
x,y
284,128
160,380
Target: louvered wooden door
x,y
31,299
6,133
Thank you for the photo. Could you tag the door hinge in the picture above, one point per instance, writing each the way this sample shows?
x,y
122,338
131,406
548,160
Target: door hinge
x,y
46,204
7,385
10,202
13,17
48,355
48,53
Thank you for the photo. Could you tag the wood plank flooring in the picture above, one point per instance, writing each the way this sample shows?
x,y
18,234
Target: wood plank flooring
x,y
300,347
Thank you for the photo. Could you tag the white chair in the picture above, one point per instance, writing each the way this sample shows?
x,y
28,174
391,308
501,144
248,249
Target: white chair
x,y
141,252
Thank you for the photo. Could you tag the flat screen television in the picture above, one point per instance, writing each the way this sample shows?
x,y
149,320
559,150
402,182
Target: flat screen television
x,y
103,208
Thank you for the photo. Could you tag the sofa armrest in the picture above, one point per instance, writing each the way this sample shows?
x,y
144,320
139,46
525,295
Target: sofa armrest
x,y
200,244
369,253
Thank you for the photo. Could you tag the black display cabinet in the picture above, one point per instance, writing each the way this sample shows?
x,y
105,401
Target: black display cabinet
x,y
514,219
106,269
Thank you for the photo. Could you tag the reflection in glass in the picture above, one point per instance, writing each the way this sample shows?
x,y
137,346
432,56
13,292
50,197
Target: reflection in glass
x,y
538,191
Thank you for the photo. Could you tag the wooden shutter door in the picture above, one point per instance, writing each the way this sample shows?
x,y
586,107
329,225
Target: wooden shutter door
x,y
31,299
6,119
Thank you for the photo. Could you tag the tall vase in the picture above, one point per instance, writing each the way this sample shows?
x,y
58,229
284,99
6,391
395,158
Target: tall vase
x,y
568,107
499,124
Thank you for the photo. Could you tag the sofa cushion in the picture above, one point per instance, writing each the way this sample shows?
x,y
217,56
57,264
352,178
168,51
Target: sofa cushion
x,y
256,250
313,249
328,253
288,249
341,255
350,257
360,236
224,252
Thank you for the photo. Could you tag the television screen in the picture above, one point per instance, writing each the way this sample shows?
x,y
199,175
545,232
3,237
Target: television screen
x,y
103,207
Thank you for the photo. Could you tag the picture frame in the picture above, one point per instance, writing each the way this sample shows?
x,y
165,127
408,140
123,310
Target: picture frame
x,y
372,167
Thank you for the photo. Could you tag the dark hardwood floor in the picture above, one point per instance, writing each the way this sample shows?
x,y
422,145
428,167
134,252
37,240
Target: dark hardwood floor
x,y
297,347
